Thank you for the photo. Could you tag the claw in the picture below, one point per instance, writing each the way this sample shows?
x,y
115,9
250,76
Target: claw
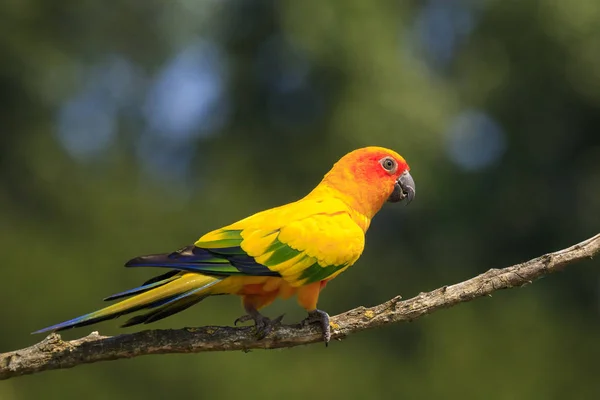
x,y
242,319
323,318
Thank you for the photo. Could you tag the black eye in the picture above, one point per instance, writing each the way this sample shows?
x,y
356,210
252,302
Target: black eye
x,y
388,164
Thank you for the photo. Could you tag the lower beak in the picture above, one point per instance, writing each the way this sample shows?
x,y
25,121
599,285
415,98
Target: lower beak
x,y
404,188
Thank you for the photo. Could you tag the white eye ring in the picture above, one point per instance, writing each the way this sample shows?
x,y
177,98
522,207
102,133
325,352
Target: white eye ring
x,y
389,164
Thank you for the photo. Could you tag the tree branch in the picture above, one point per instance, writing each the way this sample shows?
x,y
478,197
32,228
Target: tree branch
x,y
54,353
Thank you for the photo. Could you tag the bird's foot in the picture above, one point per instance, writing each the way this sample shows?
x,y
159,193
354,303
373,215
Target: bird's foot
x,y
323,318
263,325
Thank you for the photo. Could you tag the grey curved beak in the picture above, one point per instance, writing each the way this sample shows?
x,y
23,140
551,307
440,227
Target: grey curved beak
x,y
403,189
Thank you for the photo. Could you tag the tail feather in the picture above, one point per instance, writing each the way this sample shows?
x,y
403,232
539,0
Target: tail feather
x,y
150,284
170,291
162,277
164,311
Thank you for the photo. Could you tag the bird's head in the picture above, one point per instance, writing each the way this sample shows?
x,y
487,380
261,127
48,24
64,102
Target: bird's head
x,y
368,177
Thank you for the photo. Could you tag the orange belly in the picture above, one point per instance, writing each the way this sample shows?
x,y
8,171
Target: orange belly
x,y
276,287
260,291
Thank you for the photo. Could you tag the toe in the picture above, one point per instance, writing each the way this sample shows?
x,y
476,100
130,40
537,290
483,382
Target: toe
x,y
262,327
326,334
266,326
323,318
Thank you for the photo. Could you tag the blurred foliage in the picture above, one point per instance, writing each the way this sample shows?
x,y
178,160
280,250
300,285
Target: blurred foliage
x,y
495,105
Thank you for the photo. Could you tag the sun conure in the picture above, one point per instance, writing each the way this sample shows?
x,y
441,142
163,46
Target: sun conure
x,y
294,249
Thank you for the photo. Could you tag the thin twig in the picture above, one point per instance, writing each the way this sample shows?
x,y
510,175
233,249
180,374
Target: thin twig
x,y
54,353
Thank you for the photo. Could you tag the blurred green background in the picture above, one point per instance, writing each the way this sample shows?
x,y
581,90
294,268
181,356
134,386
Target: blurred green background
x,y
132,127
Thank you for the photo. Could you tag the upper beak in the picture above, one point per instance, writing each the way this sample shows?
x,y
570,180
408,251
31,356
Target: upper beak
x,y
404,188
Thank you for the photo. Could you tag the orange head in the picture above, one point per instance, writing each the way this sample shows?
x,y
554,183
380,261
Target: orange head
x,y
368,177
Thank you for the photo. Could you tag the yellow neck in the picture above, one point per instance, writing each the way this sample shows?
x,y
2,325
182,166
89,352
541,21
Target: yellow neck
x,y
355,208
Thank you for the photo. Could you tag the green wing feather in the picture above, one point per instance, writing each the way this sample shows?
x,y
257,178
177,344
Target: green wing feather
x,y
304,242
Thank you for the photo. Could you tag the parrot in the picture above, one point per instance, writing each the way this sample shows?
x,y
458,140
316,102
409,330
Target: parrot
x,y
294,249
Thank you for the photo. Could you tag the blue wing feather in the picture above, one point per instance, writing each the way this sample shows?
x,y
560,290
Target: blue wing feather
x,y
219,262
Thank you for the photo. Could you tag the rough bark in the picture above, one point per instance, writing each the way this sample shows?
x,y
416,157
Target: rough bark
x,y
54,353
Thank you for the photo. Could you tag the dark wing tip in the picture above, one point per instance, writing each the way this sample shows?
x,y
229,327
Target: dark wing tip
x,y
150,260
